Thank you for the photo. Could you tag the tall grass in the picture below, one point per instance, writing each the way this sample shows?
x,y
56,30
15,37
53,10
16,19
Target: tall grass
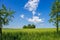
x,y
30,34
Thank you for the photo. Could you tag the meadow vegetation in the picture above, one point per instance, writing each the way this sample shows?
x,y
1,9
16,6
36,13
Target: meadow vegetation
x,y
30,34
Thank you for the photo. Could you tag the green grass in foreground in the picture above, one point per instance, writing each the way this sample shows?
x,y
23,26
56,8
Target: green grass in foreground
x,y
30,34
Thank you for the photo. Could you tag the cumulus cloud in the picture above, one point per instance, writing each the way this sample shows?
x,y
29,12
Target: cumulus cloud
x,y
39,14
35,19
33,12
32,5
22,15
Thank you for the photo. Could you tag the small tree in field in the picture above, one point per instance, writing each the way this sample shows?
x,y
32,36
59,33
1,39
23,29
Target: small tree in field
x,y
33,26
55,14
24,26
29,26
5,17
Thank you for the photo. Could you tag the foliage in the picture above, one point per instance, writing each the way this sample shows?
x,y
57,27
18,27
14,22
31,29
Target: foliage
x,y
30,34
5,16
55,13
29,26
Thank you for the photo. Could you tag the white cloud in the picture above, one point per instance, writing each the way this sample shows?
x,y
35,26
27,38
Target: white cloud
x,y
35,19
39,14
31,5
33,12
22,16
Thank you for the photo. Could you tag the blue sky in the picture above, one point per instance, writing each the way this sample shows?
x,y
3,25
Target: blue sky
x,y
22,15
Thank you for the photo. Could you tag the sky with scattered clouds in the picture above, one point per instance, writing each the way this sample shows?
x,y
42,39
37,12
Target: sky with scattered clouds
x,y
29,12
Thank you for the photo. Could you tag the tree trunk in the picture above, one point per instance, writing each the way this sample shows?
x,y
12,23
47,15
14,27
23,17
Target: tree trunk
x,y
57,28
0,31
57,23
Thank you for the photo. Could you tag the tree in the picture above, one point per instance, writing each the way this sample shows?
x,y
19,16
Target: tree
x,y
55,14
33,26
5,17
24,26
29,26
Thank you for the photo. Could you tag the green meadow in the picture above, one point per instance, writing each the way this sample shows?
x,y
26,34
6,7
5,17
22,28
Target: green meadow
x,y
30,34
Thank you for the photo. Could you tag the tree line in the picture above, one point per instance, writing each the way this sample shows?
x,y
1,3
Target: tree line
x,y
29,26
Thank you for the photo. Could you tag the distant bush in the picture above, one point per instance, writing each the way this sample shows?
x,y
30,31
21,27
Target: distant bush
x,y
29,26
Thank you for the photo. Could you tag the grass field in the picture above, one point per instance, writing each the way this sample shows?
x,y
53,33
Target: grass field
x,y
30,34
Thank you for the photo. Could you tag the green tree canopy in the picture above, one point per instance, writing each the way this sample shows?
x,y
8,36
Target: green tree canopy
x,y
29,26
5,17
55,14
